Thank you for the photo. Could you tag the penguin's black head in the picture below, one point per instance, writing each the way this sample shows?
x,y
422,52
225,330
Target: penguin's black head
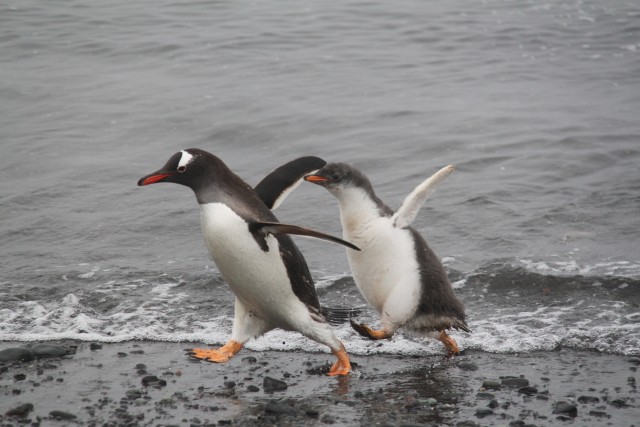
x,y
339,176
189,167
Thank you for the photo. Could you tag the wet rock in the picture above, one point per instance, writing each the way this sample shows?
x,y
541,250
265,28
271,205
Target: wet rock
x,y
153,381
432,402
588,399
15,354
491,385
635,361
277,407
328,419
229,384
95,346
49,350
599,414
484,395
61,415
253,389
468,423
19,377
493,404
482,412
20,411
515,382
411,402
312,413
619,403
565,408
529,390
249,359
518,423
271,384
468,366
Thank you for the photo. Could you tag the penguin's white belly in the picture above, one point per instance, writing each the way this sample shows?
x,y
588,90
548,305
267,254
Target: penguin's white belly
x,y
385,270
258,278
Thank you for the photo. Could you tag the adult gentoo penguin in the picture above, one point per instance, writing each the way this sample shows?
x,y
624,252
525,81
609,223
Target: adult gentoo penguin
x,y
395,271
254,255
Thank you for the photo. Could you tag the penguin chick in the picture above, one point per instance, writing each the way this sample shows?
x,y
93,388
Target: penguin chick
x,y
395,271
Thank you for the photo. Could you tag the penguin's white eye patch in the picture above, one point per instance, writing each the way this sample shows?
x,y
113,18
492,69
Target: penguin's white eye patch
x,y
184,161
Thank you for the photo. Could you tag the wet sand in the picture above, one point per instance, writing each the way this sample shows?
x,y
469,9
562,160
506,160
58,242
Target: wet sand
x,y
155,384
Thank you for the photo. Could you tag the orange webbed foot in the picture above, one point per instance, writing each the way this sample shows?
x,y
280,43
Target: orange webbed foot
x,y
342,365
367,332
449,343
221,355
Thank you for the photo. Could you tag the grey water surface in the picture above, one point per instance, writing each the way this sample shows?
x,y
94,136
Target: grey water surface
x,y
536,103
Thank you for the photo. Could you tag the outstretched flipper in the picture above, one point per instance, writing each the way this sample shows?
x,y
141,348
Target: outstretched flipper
x,y
261,229
407,212
276,186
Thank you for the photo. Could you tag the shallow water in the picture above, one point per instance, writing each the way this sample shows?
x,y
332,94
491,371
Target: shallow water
x,y
535,103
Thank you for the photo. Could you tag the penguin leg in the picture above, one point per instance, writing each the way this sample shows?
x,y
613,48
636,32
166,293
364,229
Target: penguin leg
x,y
246,325
397,310
449,343
317,329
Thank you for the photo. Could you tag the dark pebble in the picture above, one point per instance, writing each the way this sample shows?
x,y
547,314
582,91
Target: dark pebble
x,y
95,346
153,381
20,411
493,404
529,390
484,395
19,377
588,399
481,413
121,354
249,359
313,413
566,408
328,419
468,423
411,402
518,423
253,388
271,384
229,384
619,403
635,361
276,407
599,414
515,382
15,354
491,385
60,415
49,350
468,366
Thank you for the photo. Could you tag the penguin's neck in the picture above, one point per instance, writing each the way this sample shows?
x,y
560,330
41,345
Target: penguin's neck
x,y
358,208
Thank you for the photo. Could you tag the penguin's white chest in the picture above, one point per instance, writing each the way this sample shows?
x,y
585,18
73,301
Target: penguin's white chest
x,y
258,278
386,263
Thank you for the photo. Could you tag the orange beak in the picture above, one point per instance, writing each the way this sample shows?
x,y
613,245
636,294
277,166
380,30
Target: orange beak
x,y
315,178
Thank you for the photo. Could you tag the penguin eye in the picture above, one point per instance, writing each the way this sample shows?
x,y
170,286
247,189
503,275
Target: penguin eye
x,y
336,176
182,169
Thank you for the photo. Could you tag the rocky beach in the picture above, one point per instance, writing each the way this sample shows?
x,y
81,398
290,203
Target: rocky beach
x,y
145,383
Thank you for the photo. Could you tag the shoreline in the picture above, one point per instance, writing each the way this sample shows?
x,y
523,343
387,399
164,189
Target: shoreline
x,y
155,383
